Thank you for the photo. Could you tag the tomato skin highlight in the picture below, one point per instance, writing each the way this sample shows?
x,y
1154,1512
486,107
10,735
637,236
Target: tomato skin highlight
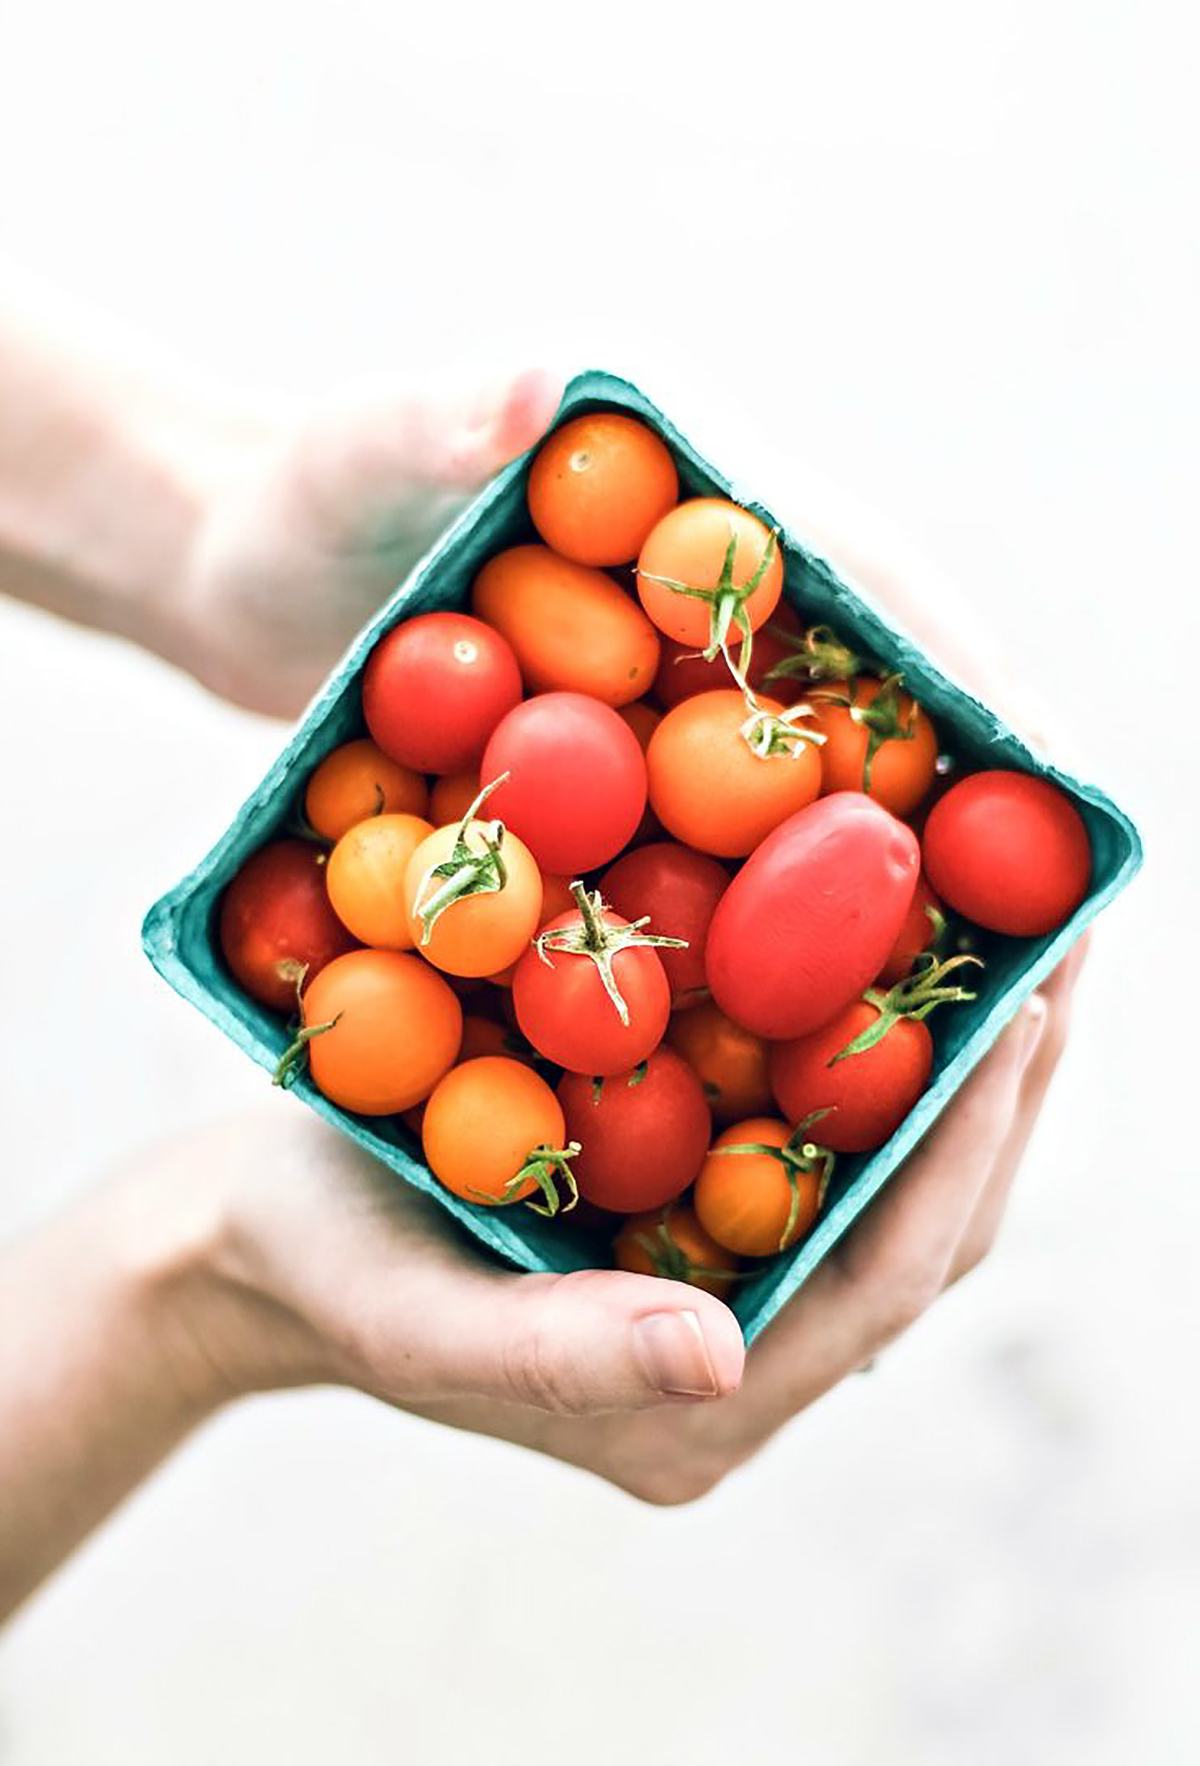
x,y
811,917
397,1031
1008,851
478,934
702,1253
564,1011
643,1138
729,1062
710,791
577,788
679,889
359,780
483,1120
869,1094
570,627
598,485
276,921
915,936
435,688
743,1200
902,768
689,545
365,878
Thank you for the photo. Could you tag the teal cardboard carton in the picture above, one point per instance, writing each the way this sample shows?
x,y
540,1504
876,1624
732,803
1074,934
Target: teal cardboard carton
x,y
179,931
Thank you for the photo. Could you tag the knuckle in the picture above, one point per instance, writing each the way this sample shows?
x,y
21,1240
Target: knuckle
x,y
906,1294
536,1376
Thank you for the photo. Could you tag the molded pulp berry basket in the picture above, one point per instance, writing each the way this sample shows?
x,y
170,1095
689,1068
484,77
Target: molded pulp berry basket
x,y
179,934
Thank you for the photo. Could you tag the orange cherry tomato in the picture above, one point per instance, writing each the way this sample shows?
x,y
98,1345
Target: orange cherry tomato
x,y
395,1028
744,1200
689,546
365,878
452,796
707,786
476,934
570,627
730,1063
671,1242
359,780
598,485
485,1124
901,769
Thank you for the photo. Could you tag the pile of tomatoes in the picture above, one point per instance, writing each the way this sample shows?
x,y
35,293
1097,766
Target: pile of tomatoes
x,y
636,890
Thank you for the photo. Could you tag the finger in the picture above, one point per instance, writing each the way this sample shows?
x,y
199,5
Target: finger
x,y
371,466
1058,993
575,1345
894,1262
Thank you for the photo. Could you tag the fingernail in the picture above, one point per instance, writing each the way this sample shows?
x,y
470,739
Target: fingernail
x,y
673,1355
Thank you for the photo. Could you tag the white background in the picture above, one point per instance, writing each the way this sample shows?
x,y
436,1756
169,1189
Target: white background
x,y
953,261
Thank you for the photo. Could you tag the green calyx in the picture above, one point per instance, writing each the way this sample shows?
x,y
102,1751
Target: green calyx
x,y
914,997
671,1260
819,655
470,869
294,1056
728,604
548,1167
777,734
800,1156
591,937
881,719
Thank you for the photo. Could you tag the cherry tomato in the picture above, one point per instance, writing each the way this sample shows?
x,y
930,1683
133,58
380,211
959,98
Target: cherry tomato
x,y
679,889
644,1134
869,1094
900,770
1008,851
452,796
358,780
395,1029
435,688
689,546
730,1063
578,781
563,1009
571,628
922,925
810,918
671,1242
598,485
756,1203
709,788
276,923
484,1126
682,671
365,878
479,933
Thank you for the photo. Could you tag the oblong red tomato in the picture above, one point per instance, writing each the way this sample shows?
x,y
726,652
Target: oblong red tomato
x,y
809,920
277,924
572,629
435,688
577,780
679,889
869,1094
1008,851
644,1133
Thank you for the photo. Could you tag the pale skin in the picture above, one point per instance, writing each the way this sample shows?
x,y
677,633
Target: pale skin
x,y
246,546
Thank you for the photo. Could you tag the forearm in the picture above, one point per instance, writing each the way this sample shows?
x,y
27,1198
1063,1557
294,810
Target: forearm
x,y
100,1374
106,469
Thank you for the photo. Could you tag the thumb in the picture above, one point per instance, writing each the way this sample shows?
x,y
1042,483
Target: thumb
x,y
578,1344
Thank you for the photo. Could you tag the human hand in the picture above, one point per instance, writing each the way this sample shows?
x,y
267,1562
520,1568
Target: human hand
x,y
306,528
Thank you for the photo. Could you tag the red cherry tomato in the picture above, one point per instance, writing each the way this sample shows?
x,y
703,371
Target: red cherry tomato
x,y
644,1134
868,1094
577,784
1008,851
811,916
922,924
562,1007
435,688
277,924
679,889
